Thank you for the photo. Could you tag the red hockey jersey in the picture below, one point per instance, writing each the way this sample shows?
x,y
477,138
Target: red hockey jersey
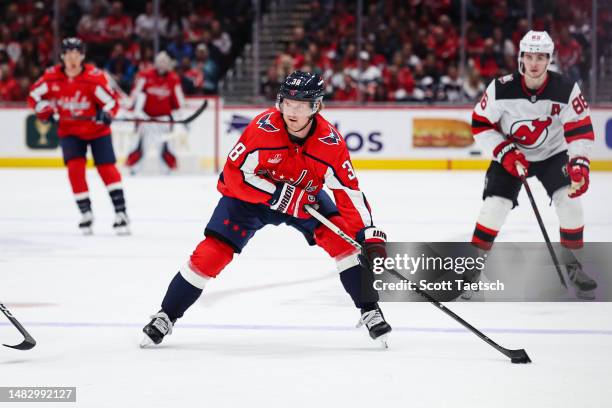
x,y
265,156
82,95
157,95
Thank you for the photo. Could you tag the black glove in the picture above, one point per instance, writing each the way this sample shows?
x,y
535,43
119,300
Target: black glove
x,y
103,117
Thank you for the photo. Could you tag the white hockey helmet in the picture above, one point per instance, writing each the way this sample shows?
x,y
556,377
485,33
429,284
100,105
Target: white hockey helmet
x,y
163,63
536,41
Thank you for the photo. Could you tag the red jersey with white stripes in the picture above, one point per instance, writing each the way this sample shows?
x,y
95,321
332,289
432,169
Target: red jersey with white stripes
x,y
157,94
265,156
540,123
82,95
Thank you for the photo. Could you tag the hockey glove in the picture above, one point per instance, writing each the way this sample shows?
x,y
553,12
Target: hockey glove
x,y
44,111
373,242
291,200
578,172
103,117
510,157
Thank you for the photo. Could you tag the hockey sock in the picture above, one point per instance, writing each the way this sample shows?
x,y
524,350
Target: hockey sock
x,y
112,179
168,157
571,219
492,216
136,155
359,284
179,297
208,259
78,182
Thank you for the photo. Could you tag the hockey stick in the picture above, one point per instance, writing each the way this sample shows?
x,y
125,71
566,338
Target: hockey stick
x,y
185,121
28,341
516,356
521,172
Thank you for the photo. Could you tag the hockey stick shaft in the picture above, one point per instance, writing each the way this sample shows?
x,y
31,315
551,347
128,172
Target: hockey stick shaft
x,y
551,250
28,341
517,356
185,121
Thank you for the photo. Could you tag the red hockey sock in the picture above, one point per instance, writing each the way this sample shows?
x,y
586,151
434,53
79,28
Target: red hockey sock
x,y
109,174
76,175
483,237
168,157
572,238
330,241
210,257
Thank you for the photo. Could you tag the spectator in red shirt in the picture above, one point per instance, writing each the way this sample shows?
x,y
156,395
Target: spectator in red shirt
x,y
486,64
117,26
9,88
569,55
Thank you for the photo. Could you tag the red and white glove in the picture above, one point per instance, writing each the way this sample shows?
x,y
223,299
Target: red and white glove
x,y
291,200
510,157
44,111
578,172
373,241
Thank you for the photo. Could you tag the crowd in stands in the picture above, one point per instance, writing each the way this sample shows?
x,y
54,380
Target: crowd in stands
x,y
411,49
203,38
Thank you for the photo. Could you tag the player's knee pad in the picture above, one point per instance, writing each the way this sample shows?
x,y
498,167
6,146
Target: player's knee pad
x,y
335,246
571,219
492,215
76,174
109,174
208,259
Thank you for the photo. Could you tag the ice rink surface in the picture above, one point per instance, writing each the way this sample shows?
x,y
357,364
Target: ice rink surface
x,y
276,328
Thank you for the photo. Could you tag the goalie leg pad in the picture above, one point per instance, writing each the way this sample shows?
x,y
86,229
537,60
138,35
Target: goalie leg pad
x,y
571,218
209,258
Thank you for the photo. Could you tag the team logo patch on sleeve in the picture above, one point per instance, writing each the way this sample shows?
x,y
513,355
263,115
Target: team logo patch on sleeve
x,y
530,133
265,124
332,139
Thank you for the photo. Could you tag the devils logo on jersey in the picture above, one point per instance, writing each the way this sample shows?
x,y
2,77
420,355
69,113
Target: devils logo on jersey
x,y
265,124
530,133
332,139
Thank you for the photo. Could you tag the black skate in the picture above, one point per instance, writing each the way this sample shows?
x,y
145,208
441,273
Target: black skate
x,y
121,223
375,322
86,223
583,284
159,327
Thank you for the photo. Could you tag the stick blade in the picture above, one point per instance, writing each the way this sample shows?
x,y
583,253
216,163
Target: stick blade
x,y
26,344
519,357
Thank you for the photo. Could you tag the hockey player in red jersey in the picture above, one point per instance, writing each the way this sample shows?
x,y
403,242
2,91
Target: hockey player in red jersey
x,y
537,122
157,92
72,89
280,164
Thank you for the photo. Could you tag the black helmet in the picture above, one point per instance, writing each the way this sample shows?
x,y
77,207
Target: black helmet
x,y
302,86
73,43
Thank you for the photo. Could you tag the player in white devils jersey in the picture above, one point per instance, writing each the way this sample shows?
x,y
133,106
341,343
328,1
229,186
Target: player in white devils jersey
x,y
538,121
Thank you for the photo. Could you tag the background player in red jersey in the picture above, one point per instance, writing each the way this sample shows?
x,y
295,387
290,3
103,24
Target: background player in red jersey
x,y
537,122
72,89
280,163
157,93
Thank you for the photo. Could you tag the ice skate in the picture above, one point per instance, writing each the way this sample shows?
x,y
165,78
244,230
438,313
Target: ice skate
x,y
375,322
121,224
154,332
86,223
583,284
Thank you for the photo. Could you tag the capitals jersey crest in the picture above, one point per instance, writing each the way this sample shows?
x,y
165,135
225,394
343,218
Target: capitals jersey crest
x,y
265,123
332,139
540,123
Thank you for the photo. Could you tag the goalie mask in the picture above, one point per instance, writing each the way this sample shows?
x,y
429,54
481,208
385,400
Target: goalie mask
x,y
536,42
163,63
302,86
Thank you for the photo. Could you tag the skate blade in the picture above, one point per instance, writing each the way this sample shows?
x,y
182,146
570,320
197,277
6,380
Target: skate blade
x,y
585,294
86,230
384,341
146,342
122,231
